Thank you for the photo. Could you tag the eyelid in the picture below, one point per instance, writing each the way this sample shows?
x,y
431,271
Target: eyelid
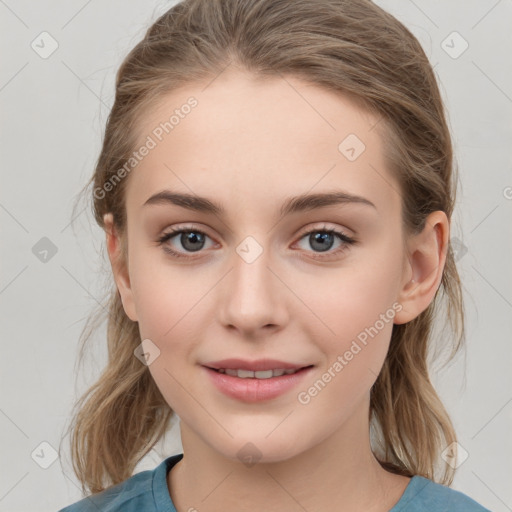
x,y
173,231
186,227
303,231
324,227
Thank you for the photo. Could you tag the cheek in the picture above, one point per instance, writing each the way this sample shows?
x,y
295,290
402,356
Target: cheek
x,y
165,294
353,298
170,315
356,307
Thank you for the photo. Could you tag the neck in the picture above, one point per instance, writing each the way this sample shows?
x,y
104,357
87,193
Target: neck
x,y
340,473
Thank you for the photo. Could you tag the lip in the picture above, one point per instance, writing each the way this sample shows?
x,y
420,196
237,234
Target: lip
x,y
257,365
256,390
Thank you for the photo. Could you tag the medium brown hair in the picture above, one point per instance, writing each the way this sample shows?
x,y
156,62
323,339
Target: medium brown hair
x,y
356,49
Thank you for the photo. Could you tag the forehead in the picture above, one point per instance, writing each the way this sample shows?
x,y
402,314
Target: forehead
x,y
260,139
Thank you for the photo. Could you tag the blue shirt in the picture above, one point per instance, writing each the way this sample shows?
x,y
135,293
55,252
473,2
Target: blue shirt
x,y
147,491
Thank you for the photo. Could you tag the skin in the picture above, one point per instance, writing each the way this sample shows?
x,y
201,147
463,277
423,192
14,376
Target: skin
x,y
249,145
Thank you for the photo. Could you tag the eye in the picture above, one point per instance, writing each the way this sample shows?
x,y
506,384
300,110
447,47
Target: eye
x,y
191,239
322,240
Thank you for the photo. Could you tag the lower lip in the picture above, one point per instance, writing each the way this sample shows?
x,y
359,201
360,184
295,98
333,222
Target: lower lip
x,y
256,390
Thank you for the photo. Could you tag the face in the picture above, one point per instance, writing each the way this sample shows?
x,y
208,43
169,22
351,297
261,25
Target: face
x,y
310,283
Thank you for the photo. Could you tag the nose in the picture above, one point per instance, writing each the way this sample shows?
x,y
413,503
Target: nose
x,y
253,296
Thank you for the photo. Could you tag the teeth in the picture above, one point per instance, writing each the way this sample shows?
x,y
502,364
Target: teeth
x,y
263,374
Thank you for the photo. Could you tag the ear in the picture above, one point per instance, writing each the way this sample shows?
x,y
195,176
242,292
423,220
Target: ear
x,y
423,269
119,267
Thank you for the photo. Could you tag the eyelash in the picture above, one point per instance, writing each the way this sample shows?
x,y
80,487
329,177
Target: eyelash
x,y
347,241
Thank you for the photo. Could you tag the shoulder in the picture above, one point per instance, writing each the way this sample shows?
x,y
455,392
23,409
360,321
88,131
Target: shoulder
x,y
424,495
130,495
138,493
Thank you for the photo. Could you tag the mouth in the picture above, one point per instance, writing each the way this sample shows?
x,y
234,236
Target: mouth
x,y
251,386
258,374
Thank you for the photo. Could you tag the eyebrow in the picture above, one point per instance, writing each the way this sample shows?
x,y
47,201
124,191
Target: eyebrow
x,y
301,203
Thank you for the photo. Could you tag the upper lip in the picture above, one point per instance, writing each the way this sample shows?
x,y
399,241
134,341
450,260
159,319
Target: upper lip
x,y
257,365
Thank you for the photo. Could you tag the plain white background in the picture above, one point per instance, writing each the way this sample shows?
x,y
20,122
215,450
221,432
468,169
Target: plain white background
x,y
54,111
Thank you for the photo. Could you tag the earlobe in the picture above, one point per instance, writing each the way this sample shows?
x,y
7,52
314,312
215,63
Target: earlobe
x,y
424,270
119,267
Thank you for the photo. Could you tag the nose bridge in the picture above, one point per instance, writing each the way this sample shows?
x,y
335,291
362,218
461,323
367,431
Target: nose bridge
x,y
254,296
